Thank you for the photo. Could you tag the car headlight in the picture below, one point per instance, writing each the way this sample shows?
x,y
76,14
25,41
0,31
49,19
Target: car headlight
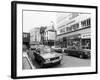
x,y
47,60
60,57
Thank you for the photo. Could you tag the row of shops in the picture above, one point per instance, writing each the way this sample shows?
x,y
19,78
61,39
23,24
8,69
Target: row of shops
x,y
77,40
80,40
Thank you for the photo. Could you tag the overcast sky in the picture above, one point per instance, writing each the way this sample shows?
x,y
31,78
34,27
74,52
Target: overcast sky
x,y
33,19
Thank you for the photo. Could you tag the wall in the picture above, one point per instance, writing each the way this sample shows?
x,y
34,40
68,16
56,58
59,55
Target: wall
x,y
5,41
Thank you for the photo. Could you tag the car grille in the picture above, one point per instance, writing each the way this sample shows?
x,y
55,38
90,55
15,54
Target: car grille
x,y
54,58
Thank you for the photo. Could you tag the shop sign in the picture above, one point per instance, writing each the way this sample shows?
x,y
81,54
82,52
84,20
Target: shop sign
x,y
86,35
74,36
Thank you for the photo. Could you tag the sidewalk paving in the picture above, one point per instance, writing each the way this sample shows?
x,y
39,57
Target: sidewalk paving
x,y
27,64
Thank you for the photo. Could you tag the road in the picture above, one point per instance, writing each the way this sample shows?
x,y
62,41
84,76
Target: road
x,y
67,61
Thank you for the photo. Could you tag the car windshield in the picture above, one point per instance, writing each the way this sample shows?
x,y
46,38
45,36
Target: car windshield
x,y
46,50
74,48
56,47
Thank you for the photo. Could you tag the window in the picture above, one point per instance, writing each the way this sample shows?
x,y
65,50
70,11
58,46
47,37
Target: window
x,y
25,35
83,23
86,23
72,27
75,26
86,43
62,30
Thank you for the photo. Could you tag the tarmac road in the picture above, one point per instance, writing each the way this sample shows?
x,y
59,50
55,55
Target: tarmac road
x,y
67,61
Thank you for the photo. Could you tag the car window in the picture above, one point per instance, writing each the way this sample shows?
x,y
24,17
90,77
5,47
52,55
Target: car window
x,y
74,48
46,50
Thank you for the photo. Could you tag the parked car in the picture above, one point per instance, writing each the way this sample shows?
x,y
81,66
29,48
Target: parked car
x,y
57,49
46,56
25,48
81,53
33,47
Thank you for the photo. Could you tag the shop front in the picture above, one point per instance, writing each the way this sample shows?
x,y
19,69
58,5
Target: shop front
x,y
79,41
74,41
86,40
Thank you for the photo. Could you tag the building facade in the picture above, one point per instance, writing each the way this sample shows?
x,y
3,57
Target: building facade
x,y
35,36
50,35
74,29
26,39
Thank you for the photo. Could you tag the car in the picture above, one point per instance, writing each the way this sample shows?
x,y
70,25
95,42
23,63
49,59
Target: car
x,y
24,48
57,49
46,56
81,53
33,47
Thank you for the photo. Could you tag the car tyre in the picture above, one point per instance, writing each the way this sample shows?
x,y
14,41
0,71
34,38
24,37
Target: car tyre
x,y
35,58
59,62
41,65
67,54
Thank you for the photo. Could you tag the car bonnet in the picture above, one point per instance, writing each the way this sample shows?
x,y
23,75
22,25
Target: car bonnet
x,y
50,55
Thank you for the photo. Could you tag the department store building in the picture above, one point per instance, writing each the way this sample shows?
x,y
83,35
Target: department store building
x,y
74,29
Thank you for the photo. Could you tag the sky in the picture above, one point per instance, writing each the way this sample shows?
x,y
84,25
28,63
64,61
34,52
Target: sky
x,y
32,19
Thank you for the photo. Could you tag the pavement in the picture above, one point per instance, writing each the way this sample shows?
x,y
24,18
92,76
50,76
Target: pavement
x,y
26,62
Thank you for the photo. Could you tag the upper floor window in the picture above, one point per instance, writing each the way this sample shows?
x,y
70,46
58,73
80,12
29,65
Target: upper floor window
x,y
86,23
24,35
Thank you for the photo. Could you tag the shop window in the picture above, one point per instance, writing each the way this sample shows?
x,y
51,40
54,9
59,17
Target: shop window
x,y
74,43
86,43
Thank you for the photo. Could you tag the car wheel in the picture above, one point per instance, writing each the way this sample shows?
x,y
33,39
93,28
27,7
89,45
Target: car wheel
x,y
80,56
67,54
41,65
59,62
35,58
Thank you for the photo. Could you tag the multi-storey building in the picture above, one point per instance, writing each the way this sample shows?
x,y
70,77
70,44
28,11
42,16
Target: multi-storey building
x,y
50,34
35,36
26,39
74,29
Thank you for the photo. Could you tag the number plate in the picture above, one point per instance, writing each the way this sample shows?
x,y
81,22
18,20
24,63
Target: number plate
x,y
55,61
